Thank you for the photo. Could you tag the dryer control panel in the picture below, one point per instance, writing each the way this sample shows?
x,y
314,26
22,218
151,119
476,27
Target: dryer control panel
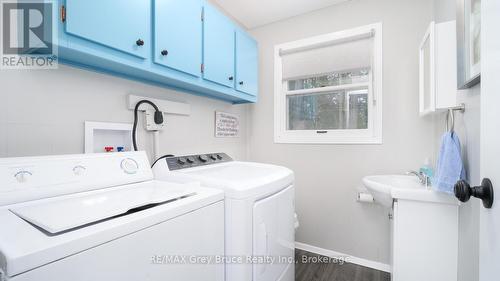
x,y
190,161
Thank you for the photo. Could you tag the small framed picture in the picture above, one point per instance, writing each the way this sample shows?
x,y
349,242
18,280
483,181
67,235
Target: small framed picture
x,y
468,43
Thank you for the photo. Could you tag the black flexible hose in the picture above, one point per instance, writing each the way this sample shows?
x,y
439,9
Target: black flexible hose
x,y
158,119
163,157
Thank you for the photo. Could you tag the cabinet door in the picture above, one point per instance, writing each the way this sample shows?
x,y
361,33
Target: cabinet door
x,y
246,64
218,48
446,65
112,23
427,90
178,35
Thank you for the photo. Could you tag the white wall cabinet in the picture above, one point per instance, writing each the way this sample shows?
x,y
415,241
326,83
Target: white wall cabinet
x,y
438,68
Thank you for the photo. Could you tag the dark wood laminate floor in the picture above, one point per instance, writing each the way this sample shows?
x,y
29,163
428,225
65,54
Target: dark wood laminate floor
x,y
307,268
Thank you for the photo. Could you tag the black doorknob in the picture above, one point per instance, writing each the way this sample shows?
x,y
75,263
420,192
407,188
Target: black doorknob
x,y
463,191
241,82
231,78
164,52
139,42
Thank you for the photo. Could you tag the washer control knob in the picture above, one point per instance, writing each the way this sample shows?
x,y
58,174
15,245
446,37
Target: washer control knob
x,y
213,157
79,170
129,166
203,158
181,161
219,156
22,176
190,160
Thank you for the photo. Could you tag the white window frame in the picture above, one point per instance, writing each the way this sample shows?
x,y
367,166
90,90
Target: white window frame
x,y
372,135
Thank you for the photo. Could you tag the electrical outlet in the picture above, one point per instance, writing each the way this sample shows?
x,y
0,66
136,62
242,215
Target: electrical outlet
x,y
150,121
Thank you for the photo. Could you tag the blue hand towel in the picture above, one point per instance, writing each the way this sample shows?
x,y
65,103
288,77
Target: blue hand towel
x,y
450,167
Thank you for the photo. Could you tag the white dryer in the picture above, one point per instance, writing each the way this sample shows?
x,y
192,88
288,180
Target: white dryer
x,y
259,210
104,217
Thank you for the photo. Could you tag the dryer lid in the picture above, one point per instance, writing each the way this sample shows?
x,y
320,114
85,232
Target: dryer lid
x,y
70,213
243,179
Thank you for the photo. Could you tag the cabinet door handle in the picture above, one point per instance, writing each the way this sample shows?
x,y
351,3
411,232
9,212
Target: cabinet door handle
x,y
164,52
231,78
241,82
139,42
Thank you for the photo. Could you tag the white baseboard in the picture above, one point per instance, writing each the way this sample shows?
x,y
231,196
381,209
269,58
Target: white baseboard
x,y
329,253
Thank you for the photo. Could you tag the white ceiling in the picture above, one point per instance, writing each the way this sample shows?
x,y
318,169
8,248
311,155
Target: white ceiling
x,y
255,13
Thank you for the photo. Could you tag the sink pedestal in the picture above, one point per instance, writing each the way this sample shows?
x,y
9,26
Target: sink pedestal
x,y
424,228
425,241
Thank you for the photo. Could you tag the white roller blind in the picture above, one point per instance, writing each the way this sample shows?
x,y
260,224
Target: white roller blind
x,y
342,56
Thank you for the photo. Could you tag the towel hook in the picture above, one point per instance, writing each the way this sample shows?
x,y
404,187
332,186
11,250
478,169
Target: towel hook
x,y
451,115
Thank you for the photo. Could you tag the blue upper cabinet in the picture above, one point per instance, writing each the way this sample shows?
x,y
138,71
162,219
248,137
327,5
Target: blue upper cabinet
x,y
178,35
218,48
246,64
186,45
122,26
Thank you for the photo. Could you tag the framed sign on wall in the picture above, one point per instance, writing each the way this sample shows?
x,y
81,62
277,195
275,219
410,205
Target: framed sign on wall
x,y
468,43
227,125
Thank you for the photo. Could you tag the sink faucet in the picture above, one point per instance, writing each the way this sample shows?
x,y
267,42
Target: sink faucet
x,y
422,178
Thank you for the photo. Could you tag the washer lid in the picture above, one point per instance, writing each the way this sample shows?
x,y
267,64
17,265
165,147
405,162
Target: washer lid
x,y
24,246
70,213
242,179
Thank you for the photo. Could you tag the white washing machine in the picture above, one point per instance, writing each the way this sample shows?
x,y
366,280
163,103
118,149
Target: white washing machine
x,y
103,217
259,210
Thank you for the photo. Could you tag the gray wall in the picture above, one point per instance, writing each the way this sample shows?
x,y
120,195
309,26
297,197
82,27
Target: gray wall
x,y
328,175
43,112
467,127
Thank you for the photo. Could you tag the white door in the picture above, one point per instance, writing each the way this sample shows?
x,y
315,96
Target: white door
x,y
489,252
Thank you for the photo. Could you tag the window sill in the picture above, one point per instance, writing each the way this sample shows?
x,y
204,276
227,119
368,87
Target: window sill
x,y
329,140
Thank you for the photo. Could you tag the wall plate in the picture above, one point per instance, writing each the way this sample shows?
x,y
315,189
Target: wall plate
x,y
150,121
166,106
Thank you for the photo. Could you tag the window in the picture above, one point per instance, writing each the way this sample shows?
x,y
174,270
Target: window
x,y
328,89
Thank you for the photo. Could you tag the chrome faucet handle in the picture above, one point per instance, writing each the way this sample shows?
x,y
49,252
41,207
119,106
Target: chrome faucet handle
x,y
427,181
422,178
415,173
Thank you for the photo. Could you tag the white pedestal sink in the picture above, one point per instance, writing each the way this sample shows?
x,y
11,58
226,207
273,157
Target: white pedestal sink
x,y
424,228
386,188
